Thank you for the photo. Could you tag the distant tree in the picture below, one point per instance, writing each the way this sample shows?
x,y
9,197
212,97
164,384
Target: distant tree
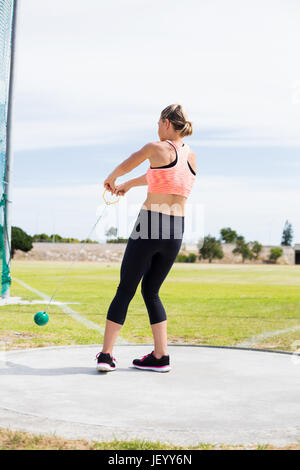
x,y
210,249
287,234
240,239
275,253
70,240
55,238
242,248
20,240
88,240
111,232
117,240
228,235
190,258
180,258
41,237
256,248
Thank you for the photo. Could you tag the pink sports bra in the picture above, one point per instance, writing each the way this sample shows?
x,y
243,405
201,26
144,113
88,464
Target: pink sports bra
x,y
176,178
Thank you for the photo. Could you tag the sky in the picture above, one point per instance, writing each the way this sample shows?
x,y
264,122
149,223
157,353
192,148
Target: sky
x,y
92,78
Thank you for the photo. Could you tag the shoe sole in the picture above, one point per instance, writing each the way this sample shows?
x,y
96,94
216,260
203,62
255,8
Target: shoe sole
x,y
103,367
156,369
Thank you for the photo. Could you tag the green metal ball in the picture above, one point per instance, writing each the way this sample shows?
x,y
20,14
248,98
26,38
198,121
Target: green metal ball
x,y
41,318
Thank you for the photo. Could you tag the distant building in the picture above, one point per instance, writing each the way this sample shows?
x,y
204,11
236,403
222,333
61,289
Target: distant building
x,y
297,253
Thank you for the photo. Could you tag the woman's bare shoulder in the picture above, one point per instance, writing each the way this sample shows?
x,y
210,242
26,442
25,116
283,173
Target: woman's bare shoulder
x,y
149,149
159,144
156,146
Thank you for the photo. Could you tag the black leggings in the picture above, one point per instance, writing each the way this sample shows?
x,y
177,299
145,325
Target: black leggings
x,y
150,253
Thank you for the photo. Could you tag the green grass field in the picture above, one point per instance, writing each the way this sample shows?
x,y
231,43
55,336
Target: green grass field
x,y
205,304
18,440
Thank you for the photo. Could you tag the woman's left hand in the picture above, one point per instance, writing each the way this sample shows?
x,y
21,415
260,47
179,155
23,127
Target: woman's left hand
x,y
109,184
122,189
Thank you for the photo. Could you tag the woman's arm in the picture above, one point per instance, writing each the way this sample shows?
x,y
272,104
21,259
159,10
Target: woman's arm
x,y
139,181
121,189
128,165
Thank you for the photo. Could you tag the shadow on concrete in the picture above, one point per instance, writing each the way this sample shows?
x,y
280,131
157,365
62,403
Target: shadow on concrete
x,y
13,368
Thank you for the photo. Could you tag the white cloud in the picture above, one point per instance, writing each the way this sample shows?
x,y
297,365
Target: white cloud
x,y
93,72
232,64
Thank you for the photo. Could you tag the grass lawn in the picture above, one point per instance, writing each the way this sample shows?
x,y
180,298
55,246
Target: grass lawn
x,y
205,304
17,440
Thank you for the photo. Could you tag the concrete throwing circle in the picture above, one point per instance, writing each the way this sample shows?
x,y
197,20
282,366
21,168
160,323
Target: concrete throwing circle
x,y
212,395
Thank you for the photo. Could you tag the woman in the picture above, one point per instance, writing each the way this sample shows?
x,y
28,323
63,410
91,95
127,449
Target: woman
x,y
157,235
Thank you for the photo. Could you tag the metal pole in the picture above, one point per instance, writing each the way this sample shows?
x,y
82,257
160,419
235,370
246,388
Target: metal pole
x,y
9,146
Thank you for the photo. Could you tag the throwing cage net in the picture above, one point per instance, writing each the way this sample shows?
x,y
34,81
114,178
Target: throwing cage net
x,y
6,28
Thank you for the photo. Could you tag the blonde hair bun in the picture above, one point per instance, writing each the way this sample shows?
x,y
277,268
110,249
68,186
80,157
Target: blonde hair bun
x,y
178,118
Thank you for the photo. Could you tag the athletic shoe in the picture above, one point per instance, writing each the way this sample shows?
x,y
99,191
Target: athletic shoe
x,y
105,362
150,362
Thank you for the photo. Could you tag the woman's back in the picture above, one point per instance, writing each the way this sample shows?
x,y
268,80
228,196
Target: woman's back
x,y
170,177
164,154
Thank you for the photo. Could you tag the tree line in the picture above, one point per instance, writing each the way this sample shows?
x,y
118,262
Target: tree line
x,y
20,240
209,247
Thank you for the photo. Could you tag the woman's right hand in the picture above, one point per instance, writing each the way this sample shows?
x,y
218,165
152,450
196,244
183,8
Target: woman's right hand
x,y
122,189
109,184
